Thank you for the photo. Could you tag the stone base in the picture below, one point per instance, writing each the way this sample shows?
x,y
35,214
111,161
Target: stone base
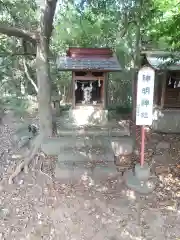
x,y
80,122
166,120
135,184
139,180
88,115
142,172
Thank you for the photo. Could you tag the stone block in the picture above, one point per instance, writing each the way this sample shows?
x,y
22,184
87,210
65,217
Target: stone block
x,y
121,129
161,169
71,172
163,145
97,141
122,145
164,159
104,171
72,157
166,120
56,145
106,156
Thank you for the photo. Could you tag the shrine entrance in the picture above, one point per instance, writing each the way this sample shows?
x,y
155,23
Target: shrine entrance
x,y
90,68
88,89
88,92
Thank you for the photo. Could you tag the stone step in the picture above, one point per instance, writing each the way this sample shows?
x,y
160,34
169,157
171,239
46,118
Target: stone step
x,y
66,127
74,157
57,145
83,170
115,132
92,146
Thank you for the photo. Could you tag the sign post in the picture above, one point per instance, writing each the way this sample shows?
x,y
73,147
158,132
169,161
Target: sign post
x,y
138,180
144,109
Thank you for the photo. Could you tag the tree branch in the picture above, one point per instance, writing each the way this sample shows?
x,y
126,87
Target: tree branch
x,y
17,32
47,18
23,54
6,54
28,75
125,29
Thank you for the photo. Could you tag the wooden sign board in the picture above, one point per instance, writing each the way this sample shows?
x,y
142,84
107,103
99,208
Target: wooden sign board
x,y
145,96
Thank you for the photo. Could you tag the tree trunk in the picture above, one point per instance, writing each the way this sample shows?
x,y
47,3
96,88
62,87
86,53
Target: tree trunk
x,y
44,87
47,11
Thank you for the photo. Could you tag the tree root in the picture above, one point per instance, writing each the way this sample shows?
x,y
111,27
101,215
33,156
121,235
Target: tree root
x,y
24,164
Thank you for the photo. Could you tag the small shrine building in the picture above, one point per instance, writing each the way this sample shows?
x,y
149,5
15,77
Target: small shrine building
x,y
90,68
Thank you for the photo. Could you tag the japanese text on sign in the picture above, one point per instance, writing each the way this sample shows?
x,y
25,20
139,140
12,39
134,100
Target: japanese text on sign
x,y
145,95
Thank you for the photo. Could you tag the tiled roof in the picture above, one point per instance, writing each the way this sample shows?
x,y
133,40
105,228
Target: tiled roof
x,y
110,64
163,60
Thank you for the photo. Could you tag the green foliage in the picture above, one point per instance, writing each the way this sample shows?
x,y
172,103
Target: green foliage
x,y
19,13
165,29
89,28
89,23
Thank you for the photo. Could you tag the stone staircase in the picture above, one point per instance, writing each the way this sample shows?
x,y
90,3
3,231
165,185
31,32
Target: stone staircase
x,y
87,154
89,149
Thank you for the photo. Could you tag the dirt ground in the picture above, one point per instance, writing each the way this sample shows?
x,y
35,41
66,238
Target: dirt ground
x,y
38,207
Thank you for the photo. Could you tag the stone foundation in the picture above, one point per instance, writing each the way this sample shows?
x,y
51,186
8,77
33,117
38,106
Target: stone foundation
x,y
88,115
166,120
82,122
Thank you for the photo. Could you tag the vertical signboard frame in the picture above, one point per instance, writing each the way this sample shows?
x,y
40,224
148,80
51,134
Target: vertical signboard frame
x,y
144,103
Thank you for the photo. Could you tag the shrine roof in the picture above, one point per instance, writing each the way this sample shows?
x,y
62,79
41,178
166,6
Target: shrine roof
x,y
84,59
160,60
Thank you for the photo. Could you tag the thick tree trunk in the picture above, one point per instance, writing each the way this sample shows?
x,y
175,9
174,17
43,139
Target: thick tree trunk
x,y
47,11
44,87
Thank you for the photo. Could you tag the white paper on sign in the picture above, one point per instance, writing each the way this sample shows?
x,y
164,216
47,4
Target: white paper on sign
x,y
145,96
